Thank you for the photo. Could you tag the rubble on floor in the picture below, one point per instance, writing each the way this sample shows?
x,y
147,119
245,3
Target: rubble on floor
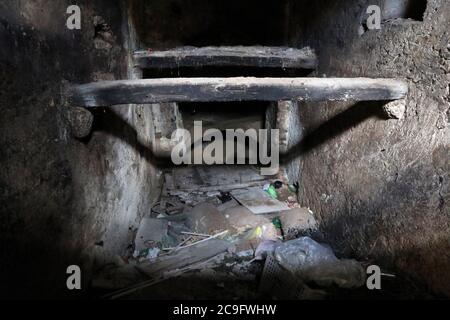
x,y
297,221
205,218
259,201
150,232
316,263
252,236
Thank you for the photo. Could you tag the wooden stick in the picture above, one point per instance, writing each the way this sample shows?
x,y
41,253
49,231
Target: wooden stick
x,y
204,240
195,243
180,245
146,284
196,234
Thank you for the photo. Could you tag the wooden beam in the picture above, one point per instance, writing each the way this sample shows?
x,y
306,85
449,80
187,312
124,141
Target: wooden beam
x,y
270,57
147,91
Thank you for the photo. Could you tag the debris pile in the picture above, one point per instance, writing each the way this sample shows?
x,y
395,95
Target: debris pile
x,y
255,235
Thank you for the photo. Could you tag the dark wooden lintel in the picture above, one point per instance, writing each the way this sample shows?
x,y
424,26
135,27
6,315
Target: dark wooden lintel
x,y
149,91
257,56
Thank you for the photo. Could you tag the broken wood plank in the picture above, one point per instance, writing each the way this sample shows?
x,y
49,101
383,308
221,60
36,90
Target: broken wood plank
x,y
184,257
213,178
146,284
222,188
253,56
196,234
147,91
172,250
208,238
258,201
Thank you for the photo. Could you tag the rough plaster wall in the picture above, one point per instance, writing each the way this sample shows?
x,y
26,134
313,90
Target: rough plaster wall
x,y
381,187
58,195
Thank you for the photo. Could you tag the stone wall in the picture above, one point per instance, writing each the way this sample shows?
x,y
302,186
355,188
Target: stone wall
x,y
60,195
380,186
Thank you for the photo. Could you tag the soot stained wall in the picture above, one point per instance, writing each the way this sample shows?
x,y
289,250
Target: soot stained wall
x,y
58,195
381,187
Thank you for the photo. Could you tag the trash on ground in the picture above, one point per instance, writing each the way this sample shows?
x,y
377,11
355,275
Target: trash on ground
x,y
278,184
266,248
166,208
225,197
258,201
150,233
242,219
184,257
206,219
272,192
277,223
294,188
297,222
153,253
313,262
265,232
276,283
188,237
227,205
